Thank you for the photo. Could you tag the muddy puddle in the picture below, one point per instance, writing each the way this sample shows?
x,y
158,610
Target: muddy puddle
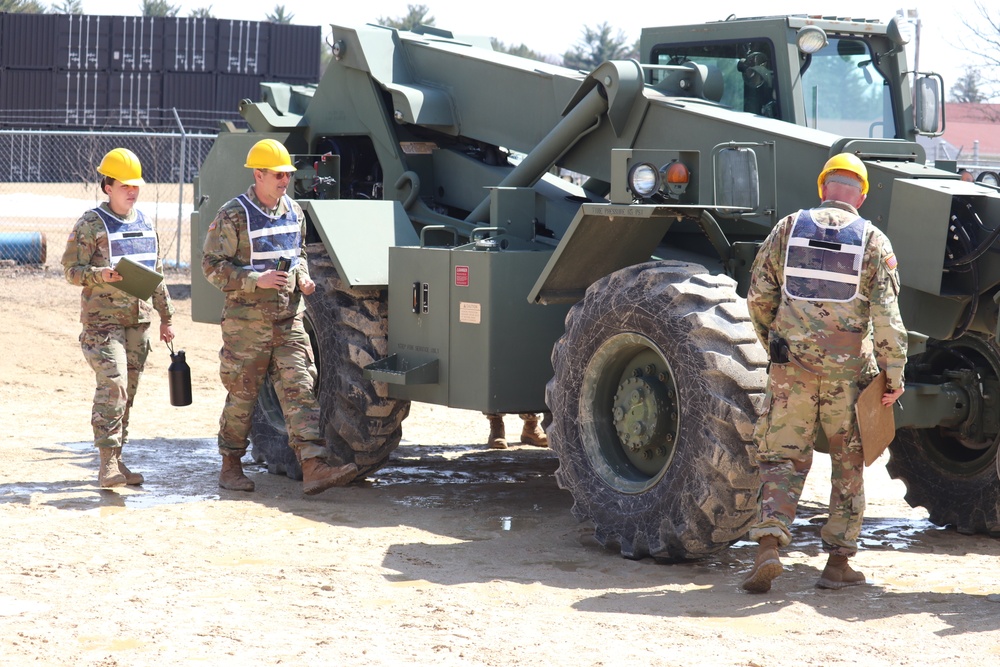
x,y
515,485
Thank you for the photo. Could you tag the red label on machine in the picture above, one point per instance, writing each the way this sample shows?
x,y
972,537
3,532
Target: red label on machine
x,y
461,276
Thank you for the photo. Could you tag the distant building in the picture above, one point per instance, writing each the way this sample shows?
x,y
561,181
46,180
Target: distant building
x,y
971,136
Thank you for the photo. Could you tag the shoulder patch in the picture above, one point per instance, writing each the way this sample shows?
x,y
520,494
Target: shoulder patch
x,y
72,236
890,261
211,226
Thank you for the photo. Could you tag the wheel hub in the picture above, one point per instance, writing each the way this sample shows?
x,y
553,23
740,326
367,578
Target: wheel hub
x,y
644,413
640,413
631,412
972,362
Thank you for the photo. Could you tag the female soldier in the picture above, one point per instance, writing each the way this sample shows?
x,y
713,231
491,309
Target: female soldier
x,y
115,337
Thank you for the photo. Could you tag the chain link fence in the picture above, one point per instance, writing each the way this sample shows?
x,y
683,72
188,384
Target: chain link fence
x,y
49,178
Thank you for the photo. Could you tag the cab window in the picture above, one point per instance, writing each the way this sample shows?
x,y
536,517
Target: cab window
x,y
844,93
747,69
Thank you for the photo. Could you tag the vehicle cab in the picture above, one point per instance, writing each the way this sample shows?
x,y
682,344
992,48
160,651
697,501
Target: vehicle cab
x,y
844,76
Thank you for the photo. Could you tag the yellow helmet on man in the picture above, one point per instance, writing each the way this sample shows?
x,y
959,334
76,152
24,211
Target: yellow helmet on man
x,y
122,165
269,154
844,162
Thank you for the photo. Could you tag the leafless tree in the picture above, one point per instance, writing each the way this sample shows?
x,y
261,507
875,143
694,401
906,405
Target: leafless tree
x,y
984,24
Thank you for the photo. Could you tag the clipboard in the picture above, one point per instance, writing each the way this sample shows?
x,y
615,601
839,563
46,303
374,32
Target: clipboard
x,y
137,279
876,422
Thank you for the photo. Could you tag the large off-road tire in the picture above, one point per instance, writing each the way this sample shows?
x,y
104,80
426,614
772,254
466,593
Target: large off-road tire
x,y
954,476
268,437
658,382
349,330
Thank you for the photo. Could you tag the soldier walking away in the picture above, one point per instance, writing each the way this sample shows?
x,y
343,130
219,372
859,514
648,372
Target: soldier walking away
x,y
247,248
531,431
823,300
115,337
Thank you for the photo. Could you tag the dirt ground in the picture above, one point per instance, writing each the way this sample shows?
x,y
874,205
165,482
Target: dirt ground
x,y
452,555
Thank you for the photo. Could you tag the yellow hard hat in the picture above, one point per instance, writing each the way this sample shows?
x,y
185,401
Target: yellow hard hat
x,y
122,165
844,162
269,154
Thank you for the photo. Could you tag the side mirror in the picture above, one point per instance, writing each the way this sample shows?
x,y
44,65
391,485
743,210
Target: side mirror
x,y
928,107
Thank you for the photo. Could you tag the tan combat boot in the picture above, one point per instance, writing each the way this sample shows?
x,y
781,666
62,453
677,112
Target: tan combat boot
x,y
131,478
839,574
318,476
109,476
532,433
231,477
766,567
498,437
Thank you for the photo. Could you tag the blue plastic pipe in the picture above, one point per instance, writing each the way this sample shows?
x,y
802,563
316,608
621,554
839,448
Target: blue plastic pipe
x,y
23,247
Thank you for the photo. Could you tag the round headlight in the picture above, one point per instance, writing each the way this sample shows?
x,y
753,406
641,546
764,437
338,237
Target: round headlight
x,y
644,179
900,30
810,39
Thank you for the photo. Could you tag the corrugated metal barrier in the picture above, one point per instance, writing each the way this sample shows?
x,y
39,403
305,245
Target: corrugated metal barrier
x,y
72,71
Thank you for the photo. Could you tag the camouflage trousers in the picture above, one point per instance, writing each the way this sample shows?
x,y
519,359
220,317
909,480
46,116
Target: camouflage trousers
x,y
799,403
117,354
253,350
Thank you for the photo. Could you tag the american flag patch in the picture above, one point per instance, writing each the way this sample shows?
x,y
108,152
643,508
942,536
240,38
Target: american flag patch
x,y
890,261
211,226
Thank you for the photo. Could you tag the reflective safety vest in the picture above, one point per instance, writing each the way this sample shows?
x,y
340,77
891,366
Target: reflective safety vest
x,y
271,237
824,263
135,240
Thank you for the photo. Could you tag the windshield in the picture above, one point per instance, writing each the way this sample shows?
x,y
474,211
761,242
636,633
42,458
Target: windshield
x,y
845,94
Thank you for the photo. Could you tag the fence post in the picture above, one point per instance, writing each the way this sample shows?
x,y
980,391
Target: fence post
x,y
180,185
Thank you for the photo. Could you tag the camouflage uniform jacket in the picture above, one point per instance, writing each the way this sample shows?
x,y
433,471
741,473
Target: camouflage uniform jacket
x,y
226,264
102,303
841,340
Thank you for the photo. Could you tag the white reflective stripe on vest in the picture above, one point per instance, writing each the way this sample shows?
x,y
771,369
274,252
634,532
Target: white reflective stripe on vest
x,y
841,247
820,275
277,229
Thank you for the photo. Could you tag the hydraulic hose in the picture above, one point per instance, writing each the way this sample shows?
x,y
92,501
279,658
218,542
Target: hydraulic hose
x,y
981,249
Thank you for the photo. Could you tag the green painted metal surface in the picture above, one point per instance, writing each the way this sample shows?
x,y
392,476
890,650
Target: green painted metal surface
x,y
358,235
467,311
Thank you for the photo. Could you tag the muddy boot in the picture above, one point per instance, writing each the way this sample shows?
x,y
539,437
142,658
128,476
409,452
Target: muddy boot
x,y
318,476
109,476
498,437
839,574
766,567
532,433
131,478
232,476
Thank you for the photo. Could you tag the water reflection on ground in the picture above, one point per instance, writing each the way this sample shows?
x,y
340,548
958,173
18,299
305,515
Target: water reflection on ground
x,y
419,476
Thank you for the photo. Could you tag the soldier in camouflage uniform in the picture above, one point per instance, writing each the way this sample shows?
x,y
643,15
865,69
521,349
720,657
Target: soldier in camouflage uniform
x,y
823,302
262,329
115,337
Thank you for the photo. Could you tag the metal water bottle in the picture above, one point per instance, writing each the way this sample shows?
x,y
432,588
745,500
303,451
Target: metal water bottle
x,y
179,374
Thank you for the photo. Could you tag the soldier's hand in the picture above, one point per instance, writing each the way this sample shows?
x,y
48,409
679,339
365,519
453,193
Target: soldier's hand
x,y
109,275
889,397
272,279
306,285
166,332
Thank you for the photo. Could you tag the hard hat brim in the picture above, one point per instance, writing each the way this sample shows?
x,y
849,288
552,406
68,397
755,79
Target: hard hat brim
x,y
280,167
133,181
